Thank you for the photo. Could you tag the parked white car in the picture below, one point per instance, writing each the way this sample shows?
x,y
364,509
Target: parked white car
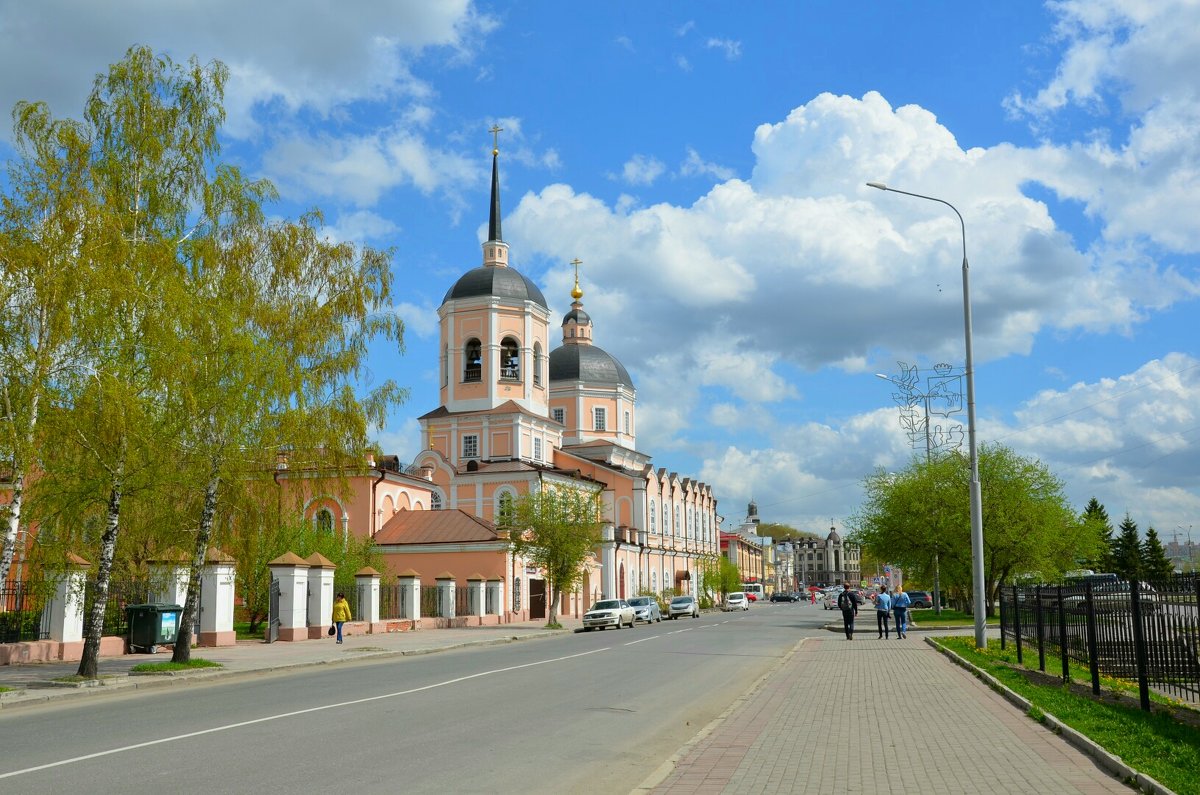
x,y
614,613
683,606
737,601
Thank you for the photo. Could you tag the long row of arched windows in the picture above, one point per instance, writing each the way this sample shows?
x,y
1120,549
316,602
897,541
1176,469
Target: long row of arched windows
x,y
697,525
508,363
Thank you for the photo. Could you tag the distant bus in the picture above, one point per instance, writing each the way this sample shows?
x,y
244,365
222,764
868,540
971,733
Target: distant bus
x,y
753,590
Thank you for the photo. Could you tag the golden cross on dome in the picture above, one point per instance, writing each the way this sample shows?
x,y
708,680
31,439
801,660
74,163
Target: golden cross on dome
x,y
495,131
577,293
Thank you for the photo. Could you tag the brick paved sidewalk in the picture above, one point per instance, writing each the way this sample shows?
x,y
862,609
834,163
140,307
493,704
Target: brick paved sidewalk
x,y
879,716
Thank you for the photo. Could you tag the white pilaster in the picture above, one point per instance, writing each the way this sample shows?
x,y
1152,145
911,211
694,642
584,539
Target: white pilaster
x,y
292,573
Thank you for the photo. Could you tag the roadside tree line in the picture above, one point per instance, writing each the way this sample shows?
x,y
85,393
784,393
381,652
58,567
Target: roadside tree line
x,y
921,514
162,338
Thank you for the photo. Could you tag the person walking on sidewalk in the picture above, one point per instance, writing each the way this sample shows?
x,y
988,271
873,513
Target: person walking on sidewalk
x,y
848,603
883,611
900,603
341,614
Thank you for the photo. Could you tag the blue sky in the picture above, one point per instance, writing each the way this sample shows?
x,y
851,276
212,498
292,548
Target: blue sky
x,y
707,162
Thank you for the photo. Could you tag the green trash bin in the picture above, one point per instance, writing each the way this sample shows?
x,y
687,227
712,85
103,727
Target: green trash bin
x,y
152,625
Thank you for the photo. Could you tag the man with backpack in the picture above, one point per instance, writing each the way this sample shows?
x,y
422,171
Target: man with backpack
x,y
848,602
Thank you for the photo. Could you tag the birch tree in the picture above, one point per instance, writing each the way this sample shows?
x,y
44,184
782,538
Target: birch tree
x,y
153,127
45,270
555,528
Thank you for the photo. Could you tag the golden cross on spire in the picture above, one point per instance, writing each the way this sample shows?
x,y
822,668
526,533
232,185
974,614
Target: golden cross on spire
x,y
495,131
577,293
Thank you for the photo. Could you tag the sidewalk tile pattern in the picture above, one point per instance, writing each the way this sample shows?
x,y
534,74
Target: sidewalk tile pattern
x,y
880,716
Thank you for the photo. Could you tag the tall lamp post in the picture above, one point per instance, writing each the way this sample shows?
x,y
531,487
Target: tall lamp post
x,y
976,499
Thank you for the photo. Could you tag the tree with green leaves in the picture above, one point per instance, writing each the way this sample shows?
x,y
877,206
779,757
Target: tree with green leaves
x,y
554,528
48,222
720,577
1127,551
1028,524
1095,515
276,324
1155,563
782,532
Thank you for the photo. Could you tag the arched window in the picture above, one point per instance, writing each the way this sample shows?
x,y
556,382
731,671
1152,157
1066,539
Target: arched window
x,y
510,360
654,581
653,519
537,364
504,508
323,521
435,501
472,361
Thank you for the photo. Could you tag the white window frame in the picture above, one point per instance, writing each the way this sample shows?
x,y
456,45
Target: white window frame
x,y
473,439
627,423
537,448
599,418
559,416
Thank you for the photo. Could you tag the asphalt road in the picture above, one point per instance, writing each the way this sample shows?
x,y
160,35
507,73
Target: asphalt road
x,y
596,712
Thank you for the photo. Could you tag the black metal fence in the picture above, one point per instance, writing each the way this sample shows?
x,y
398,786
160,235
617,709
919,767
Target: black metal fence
x,y
1138,631
23,615
394,602
462,604
431,603
121,594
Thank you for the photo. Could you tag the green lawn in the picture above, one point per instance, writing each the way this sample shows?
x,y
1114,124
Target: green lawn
x,y
195,662
928,618
242,630
1163,744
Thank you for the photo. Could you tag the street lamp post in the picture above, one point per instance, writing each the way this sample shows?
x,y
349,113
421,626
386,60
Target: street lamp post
x,y
976,499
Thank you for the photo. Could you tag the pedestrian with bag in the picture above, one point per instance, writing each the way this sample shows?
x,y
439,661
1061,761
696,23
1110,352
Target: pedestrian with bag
x,y
900,603
883,612
848,603
341,614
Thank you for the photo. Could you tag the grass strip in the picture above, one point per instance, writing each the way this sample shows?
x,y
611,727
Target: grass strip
x,y
928,618
1156,743
155,667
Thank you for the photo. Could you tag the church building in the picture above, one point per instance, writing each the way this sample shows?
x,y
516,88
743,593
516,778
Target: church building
x,y
515,416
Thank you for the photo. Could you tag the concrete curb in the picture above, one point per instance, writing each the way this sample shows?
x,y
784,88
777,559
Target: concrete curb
x,y
1110,762
664,770
43,692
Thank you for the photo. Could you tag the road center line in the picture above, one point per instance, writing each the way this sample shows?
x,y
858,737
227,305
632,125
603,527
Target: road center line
x,y
642,640
292,714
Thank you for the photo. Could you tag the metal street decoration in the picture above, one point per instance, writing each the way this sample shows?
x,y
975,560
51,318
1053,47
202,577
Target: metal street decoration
x,y
923,399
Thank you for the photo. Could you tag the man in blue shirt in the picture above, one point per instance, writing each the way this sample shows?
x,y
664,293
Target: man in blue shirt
x,y
883,611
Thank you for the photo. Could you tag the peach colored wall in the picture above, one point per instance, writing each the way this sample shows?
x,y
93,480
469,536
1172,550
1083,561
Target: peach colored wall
x,y
363,517
461,564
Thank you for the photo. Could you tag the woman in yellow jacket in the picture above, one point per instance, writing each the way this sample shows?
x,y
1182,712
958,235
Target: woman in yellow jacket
x,y
341,614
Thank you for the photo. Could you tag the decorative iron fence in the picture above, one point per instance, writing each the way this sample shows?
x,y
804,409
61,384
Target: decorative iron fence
x,y
462,604
1144,632
121,594
23,614
394,602
431,603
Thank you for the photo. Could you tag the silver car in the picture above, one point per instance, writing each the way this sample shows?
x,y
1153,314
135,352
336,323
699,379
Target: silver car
x,y
684,606
645,608
615,613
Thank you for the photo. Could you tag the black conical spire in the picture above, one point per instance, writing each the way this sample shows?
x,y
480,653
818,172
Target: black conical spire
x,y
494,219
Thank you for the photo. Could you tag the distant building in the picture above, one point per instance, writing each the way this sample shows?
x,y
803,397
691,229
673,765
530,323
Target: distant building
x,y
827,561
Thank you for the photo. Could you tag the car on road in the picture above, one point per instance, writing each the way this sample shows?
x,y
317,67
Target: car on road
x,y
1115,597
783,596
645,608
683,606
614,613
736,601
919,599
